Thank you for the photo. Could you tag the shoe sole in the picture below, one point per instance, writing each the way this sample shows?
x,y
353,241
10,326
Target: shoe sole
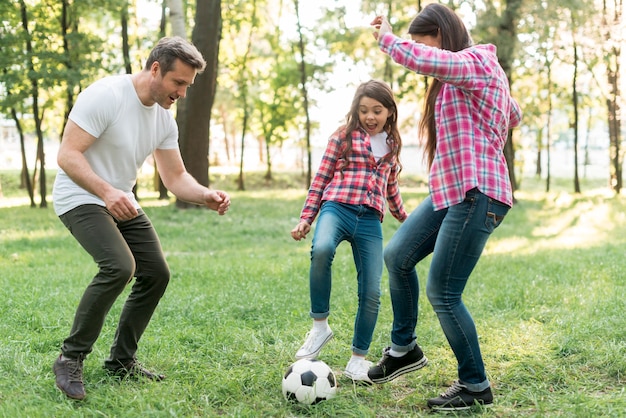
x,y
314,354
403,370
360,382
75,397
476,405
357,380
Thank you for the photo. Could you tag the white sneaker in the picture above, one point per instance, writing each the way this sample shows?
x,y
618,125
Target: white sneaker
x,y
357,370
314,342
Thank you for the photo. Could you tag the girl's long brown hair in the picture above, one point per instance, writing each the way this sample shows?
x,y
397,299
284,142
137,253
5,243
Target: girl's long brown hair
x,y
380,91
433,20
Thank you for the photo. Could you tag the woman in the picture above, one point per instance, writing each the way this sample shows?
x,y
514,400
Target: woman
x,y
467,114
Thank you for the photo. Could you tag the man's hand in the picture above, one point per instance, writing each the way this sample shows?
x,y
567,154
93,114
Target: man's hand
x,y
217,200
119,205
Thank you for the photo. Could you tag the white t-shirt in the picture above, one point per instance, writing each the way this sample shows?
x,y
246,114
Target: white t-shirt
x,y
127,133
380,148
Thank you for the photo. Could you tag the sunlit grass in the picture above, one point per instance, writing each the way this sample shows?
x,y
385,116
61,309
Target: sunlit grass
x,y
548,298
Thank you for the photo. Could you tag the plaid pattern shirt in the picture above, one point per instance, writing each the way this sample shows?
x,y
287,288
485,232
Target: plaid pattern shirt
x,y
473,114
364,181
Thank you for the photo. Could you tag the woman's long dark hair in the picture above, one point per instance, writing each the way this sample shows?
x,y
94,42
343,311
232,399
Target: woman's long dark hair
x,y
437,19
380,91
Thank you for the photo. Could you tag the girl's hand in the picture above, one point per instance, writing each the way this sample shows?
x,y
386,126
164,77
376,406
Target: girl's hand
x,y
301,230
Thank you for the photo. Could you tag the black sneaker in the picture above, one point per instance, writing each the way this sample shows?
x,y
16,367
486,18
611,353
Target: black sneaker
x,y
458,398
133,369
69,377
388,368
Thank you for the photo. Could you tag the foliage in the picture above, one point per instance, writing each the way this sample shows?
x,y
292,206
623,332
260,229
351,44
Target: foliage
x,y
66,62
547,296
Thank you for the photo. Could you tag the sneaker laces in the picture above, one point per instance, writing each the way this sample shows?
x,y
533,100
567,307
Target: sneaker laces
x,y
308,341
74,370
385,356
453,390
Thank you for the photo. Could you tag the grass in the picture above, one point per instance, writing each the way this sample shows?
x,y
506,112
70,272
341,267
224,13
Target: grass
x,y
548,297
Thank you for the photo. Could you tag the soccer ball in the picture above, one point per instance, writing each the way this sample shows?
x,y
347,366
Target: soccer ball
x,y
309,381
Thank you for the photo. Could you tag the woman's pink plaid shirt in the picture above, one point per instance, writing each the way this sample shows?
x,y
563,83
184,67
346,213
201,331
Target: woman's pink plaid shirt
x,y
474,112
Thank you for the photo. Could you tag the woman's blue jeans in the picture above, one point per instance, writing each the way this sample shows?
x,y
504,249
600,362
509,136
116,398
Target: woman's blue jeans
x,y
456,237
359,225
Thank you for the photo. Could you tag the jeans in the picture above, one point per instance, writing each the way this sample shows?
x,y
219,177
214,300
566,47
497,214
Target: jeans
x,y
122,250
456,237
359,225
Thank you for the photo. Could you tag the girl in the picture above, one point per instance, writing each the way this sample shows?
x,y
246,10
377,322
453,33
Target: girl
x,y
467,115
358,172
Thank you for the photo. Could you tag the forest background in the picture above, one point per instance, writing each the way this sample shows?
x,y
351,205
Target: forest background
x,y
281,75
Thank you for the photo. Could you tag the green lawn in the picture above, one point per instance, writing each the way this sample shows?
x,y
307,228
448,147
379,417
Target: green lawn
x,y
548,297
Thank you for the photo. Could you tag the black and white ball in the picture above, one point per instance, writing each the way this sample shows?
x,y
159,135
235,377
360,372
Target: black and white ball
x,y
309,381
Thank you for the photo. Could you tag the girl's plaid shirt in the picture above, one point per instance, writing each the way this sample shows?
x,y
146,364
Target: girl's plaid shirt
x,y
363,182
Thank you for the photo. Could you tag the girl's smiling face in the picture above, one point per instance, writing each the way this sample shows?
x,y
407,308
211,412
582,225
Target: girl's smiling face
x,y
372,115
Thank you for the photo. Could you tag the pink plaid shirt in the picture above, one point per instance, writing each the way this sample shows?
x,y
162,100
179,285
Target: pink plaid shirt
x,y
473,114
364,182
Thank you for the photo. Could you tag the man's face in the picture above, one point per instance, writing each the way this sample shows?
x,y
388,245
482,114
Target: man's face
x,y
166,89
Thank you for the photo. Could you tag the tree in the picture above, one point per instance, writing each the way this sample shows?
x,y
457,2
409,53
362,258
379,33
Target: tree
x,y
242,82
16,91
613,34
503,34
575,123
37,115
305,93
177,19
277,108
194,111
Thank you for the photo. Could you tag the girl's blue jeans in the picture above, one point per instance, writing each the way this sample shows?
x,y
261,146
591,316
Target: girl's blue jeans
x,y
456,237
359,225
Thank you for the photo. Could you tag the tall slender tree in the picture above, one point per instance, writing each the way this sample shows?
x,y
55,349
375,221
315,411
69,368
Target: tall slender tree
x,y
242,81
305,93
498,25
179,28
37,113
194,111
612,28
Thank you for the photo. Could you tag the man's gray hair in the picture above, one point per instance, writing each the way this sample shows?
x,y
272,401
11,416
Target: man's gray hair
x,y
168,49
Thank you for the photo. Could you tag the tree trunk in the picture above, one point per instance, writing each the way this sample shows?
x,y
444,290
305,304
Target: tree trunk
x,y
177,18
194,116
25,174
612,62
305,97
240,180
506,41
69,102
268,173
575,124
243,98
125,46
34,83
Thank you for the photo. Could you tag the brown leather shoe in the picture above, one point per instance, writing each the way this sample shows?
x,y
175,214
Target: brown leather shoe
x,y
69,377
134,369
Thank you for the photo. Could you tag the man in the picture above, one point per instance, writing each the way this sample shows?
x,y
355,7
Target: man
x,y
116,123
